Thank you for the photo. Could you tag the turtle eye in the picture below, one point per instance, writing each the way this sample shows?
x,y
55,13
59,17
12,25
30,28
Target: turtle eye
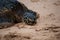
x,y
25,18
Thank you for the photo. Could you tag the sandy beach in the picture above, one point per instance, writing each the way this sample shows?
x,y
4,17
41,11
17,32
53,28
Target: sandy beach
x,y
47,27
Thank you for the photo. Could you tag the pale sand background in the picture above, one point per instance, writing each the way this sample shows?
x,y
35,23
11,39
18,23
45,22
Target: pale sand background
x,y
47,27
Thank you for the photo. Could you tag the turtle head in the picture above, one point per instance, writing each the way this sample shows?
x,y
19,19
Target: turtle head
x,y
30,17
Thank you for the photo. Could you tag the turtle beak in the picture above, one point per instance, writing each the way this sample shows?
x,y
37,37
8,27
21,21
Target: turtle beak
x,y
31,21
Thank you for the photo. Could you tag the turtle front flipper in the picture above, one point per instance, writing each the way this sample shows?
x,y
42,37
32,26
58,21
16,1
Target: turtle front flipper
x,y
5,25
6,20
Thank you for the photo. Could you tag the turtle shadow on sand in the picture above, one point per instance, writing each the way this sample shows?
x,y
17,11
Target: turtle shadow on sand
x,y
12,12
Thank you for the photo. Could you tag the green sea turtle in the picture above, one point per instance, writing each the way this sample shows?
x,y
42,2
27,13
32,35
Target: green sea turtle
x,y
13,11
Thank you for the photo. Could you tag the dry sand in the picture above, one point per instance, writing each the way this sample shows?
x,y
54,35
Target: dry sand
x,y
47,27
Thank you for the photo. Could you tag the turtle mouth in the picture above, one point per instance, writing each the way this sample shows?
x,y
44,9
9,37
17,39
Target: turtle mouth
x,y
30,22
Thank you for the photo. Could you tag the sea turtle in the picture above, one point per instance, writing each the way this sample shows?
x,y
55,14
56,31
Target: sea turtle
x,y
13,11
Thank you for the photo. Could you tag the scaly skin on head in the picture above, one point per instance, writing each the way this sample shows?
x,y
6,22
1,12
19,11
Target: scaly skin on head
x,y
30,17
